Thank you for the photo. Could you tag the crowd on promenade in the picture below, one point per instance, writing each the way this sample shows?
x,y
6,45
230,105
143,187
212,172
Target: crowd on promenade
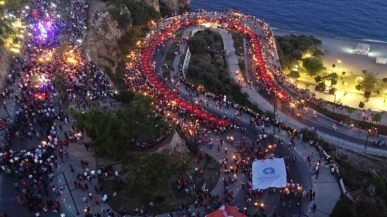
x,y
31,87
250,150
37,115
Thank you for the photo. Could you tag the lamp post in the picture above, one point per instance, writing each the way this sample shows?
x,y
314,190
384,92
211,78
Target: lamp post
x,y
6,110
275,109
338,64
366,144
71,194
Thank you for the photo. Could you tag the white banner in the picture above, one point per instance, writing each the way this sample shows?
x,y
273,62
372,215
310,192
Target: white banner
x,y
269,173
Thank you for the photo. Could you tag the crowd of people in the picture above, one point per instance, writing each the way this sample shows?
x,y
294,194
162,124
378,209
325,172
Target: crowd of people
x,y
137,82
38,115
40,76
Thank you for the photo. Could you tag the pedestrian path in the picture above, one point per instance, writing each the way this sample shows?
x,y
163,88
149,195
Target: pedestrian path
x,y
327,201
80,153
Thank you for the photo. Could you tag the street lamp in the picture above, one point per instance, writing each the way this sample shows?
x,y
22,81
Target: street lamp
x,y
338,64
366,144
71,194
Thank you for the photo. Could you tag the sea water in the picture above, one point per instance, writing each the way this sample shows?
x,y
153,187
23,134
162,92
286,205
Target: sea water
x,y
356,19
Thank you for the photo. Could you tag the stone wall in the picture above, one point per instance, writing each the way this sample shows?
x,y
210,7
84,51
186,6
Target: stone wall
x,y
154,4
5,64
176,4
176,144
101,43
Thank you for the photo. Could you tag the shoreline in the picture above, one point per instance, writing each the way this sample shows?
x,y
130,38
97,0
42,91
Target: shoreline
x,y
339,51
281,32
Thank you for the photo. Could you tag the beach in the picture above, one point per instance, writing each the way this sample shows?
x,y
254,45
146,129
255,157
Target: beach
x,y
336,48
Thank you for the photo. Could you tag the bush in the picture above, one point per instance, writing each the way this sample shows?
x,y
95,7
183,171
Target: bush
x,y
367,94
125,96
164,9
361,104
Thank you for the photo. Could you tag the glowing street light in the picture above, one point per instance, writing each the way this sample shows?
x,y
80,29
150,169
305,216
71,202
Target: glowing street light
x,y
338,64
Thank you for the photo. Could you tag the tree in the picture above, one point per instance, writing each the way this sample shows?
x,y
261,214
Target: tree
x,y
334,81
140,12
125,96
313,65
333,75
377,117
370,206
333,65
294,74
343,72
358,87
380,91
384,80
321,85
113,133
197,45
361,104
368,82
367,94
317,79
292,47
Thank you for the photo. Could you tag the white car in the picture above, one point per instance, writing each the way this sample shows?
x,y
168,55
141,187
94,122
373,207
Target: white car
x,y
326,90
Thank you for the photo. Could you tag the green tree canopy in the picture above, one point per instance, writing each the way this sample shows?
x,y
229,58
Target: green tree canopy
x,y
197,46
361,104
294,74
334,81
317,79
368,82
313,65
291,48
376,117
367,94
113,133
152,171
140,12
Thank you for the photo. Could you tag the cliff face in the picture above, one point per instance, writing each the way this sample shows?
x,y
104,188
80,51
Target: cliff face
x,y
5,61
101,44
153,3
175,5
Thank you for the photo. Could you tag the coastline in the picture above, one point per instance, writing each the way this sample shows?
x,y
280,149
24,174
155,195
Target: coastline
x,y
338,48
281,32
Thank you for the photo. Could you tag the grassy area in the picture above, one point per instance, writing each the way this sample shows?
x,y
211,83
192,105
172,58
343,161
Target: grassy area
x,y
171,54
166,197
211,70
343,208
238,42
242,67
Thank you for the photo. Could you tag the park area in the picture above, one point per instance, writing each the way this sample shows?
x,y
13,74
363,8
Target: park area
x,y
160,182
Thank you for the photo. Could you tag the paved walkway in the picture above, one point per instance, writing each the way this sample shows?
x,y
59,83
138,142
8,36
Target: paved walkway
x,y
327,200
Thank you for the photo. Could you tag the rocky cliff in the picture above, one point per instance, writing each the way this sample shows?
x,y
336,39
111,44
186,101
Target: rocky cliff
x,y
5,61
104,33
154,4
175,5
101,44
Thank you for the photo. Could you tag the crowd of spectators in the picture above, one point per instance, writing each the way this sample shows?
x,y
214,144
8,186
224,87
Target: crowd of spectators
x,y
39,78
